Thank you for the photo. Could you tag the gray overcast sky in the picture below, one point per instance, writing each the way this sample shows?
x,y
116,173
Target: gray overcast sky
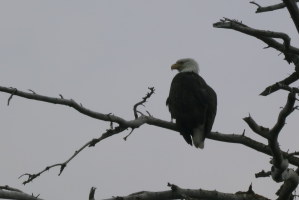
x,y
104,54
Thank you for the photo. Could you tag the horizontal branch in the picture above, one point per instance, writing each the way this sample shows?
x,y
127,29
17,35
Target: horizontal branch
x,y
239,26
261,9
265,36
62,101
17,195
181,193
262,174
135,123
230,138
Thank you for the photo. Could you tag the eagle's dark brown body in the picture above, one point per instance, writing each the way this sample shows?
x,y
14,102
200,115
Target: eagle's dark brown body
x,y
193,103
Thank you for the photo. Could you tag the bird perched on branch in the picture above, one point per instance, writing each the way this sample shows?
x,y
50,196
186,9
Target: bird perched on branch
x,y
191,102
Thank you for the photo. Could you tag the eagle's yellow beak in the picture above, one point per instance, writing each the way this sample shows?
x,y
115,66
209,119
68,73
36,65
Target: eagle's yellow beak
x,y
175,66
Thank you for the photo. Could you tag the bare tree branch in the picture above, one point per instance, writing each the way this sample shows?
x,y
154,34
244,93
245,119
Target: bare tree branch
x,y
62,101
231,138
293,154
291,53
261,9
125,124
284,113
147,96
282,84
260,130
294,11
12,193
262,174
91,143
239,26
279,163
91,193
265,36
289,185
279,170
6,187
177,192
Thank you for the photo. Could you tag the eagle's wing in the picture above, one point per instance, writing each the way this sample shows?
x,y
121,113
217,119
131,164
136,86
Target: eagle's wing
x,y
207,99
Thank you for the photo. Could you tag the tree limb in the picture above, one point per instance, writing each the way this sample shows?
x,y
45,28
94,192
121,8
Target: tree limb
x,y
280,164
148,95
294,11
124,124
261,9
278,158
289,185
260,130
291,53
279,170
262,174
239,26
282,85
16,194
181,193
91,193
91,143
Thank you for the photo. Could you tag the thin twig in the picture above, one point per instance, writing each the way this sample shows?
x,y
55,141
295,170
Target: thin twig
x,y
91,143
148,95
91,193
125,138
263,174
14,91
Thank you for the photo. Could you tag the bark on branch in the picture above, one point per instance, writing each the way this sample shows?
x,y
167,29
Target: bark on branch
x,y
279,171
291,53
7,192
177,192
239,26
261,9
135,123
284,84
294,11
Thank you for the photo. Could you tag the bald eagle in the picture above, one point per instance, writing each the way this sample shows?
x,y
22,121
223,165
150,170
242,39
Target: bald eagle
x,y
191,102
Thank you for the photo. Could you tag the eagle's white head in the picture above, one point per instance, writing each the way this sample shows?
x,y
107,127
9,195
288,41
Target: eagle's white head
x,y
186,65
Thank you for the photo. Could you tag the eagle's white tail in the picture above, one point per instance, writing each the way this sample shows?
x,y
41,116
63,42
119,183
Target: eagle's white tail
x,y
198,137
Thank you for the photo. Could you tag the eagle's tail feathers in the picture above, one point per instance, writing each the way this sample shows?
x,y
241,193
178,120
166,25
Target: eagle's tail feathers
x,y
199,136
187,138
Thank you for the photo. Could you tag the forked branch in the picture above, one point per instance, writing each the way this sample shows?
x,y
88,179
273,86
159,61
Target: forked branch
x,y
279,171
291,53
144,99
135,123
